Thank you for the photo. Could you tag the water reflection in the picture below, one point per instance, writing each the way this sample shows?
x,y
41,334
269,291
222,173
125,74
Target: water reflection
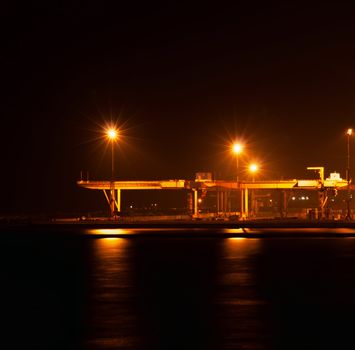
x,y
171,292
109,231
111,322
241,306
209,293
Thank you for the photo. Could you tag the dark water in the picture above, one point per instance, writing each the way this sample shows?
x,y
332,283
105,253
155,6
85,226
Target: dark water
x,y
80,291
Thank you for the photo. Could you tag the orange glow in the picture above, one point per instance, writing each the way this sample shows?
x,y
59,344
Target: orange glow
x,y
350,131
235,231
237,148
108,248
112,134
253,168
109,231
111,240
241,248
237,238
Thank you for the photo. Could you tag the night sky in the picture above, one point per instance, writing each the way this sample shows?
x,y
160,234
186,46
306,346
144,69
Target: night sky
x,y
182,81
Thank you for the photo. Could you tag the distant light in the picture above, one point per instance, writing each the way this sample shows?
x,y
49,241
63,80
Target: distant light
x,y
237,148
199,200
253,168
350,131
293,198
112,133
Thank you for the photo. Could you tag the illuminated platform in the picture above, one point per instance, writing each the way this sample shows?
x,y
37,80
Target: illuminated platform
x,y
133,185
112,189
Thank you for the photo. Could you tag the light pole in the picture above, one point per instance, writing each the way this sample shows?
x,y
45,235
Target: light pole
x,y
112,135
253,168
348,179
237,148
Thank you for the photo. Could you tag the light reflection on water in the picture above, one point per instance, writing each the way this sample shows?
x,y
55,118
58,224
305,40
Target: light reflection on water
x,y
109,231
219,293
112,318
241,307
241,232
197,286
151,292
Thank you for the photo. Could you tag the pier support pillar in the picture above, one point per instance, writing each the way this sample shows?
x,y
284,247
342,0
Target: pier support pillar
x,y
282,203
195,212
242,203
112,200
118,200
190,203
221,195
246,202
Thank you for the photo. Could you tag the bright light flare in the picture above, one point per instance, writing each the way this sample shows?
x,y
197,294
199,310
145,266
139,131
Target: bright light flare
x,y
349,132
253,168
237,148
112,133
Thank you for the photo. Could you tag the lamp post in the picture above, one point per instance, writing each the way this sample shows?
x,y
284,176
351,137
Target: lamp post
x,y
112,135
253,168
348,179
237,148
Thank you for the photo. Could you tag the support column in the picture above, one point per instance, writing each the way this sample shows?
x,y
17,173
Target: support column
x,y
112,200
221,201
322,202
246,202
282,203
217,199
229,202
118,200
242,203
195,192
190,203
252,202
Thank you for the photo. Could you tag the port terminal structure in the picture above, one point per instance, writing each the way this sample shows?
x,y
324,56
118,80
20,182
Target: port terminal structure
x,y
203,183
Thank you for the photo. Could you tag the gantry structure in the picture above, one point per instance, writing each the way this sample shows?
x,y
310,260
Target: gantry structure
x,y
112,189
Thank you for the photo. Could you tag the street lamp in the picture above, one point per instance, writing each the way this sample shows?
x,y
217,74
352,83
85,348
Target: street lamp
x,y
237,148
253,168
348,179
112,135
